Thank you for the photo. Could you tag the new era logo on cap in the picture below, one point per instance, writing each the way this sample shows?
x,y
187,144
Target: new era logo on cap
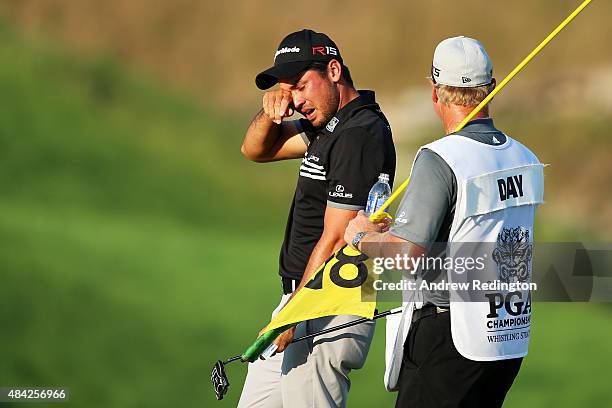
x,y
461,62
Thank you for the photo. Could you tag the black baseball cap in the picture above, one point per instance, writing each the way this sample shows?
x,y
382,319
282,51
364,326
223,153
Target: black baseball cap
x,y
295,53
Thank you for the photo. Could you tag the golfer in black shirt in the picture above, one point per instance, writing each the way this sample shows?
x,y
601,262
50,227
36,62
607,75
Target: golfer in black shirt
x,y
344,143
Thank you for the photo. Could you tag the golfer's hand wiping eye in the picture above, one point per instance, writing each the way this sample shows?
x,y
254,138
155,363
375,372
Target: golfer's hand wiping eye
x,y
277,105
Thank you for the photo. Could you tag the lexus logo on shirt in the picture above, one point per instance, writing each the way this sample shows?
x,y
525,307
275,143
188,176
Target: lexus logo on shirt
x,y
340,192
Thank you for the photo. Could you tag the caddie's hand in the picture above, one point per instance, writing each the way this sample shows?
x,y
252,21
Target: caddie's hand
x,y
277,105
361,223
386,223
284,339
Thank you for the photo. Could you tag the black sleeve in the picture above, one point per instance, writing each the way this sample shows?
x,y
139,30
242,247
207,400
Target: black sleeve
x,y
307,131
355,162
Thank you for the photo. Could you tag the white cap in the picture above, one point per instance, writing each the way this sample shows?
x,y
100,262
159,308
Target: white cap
x,y
461,62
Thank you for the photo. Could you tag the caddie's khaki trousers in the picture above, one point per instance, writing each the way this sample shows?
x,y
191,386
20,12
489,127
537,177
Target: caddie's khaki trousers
x,y
312,373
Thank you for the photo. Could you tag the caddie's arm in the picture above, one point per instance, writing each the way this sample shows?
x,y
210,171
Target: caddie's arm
x,y
426,208
378,244
268,137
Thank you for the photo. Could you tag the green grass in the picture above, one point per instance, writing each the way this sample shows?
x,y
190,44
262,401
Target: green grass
x,y
128,244
138,247
125,312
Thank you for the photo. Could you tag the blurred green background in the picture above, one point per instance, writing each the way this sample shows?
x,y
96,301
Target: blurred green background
x,y
138,246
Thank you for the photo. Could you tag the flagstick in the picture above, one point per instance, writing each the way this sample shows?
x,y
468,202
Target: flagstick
x,y
498,88
403,186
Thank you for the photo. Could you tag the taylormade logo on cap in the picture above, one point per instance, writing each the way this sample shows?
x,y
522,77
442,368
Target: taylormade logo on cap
x,y
285,50
295,53
461,62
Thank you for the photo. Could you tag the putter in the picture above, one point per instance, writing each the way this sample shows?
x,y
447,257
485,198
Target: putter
x,y
219,377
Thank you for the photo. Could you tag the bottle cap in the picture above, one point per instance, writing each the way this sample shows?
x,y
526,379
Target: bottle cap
x,y
383,177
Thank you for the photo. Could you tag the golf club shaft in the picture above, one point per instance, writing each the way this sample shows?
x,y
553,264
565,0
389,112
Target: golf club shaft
x,y
348,324
331,329
231,359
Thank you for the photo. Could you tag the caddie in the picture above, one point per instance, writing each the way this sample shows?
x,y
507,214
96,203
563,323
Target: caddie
x,y
344,142
475,191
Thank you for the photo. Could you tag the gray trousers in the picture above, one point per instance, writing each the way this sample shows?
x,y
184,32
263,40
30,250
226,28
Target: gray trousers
x,y
310,373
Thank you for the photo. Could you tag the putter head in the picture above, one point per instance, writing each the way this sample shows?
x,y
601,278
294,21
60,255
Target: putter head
x,y
219,380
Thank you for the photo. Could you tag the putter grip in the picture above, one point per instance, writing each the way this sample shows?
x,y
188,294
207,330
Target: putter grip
x,y
254,351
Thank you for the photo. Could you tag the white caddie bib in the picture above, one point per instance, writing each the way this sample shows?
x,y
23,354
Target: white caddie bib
x,y
498,190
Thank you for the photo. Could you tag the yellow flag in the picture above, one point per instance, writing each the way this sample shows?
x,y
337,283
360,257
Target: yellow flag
x,y
341,286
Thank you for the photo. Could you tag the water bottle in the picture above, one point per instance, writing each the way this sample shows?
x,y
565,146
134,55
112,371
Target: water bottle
x,y
379,193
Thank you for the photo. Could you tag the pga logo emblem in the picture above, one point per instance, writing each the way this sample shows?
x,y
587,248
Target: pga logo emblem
x,y
512,302
339,192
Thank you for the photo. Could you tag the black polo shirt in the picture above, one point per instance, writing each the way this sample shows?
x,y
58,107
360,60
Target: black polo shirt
x,y
342,163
